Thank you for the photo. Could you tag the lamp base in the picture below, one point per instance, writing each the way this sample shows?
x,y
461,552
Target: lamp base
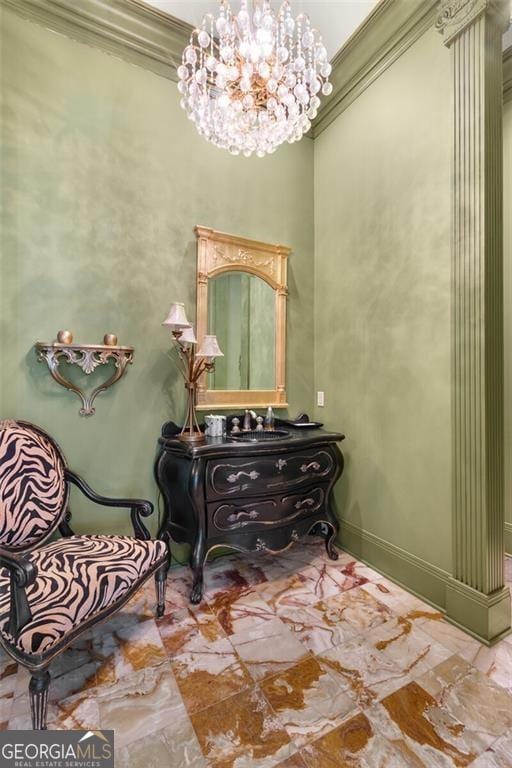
x,y
192,437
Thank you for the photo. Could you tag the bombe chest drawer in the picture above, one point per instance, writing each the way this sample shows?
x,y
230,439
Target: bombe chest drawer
x,y
262,497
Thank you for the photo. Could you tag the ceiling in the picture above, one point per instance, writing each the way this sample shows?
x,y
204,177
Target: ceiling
x,y
335,19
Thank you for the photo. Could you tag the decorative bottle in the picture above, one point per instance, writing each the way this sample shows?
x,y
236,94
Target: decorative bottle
x,y
269,419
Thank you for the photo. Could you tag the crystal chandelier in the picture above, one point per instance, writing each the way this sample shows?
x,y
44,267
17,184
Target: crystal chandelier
x,y
251,81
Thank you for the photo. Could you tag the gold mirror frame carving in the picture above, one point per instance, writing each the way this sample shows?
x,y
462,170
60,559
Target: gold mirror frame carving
x,y
218,252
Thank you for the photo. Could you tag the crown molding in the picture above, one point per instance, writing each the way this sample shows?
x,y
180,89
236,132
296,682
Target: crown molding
x,y
390,29
128,29
143,35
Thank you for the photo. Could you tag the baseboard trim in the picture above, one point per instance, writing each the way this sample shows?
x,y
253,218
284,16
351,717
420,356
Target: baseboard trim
x,y
484,617
423,579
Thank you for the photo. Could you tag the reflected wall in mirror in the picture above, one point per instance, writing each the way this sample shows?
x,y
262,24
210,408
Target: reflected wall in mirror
x,y
241,297
241,310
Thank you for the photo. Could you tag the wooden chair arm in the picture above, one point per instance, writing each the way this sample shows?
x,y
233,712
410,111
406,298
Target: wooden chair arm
x,y
22,574
138,507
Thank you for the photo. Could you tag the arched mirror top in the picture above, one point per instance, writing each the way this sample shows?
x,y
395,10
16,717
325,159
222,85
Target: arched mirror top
x,y
220,252
252,373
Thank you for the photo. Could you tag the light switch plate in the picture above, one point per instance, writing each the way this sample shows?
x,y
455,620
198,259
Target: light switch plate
x,y
320,399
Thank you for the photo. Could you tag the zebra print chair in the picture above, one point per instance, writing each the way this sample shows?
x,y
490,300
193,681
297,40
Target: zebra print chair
x,y
52,592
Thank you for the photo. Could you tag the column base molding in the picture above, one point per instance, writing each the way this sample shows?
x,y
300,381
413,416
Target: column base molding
x,y
486,617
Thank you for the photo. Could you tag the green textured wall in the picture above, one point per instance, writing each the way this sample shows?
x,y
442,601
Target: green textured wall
x,y
507,280
103,181
382,303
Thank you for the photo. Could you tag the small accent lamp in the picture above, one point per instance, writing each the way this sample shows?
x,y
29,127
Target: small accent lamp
x,y
177,318
188,336
191,364
209,347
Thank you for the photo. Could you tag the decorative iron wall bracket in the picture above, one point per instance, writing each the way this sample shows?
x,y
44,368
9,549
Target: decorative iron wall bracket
x,y
87,357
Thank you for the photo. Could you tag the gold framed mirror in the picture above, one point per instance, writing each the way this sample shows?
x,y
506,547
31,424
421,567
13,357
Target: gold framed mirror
x,y
241,297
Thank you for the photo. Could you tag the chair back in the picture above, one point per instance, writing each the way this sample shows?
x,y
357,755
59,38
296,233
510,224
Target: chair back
x,y
33,487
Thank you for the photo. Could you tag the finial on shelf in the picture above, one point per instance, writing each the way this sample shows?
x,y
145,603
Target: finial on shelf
x,y
65,337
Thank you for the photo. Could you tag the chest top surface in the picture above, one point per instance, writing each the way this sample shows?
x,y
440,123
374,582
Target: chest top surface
x,y
297,439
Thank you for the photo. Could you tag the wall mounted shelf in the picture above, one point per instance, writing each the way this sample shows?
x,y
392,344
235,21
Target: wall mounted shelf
x,y
87,357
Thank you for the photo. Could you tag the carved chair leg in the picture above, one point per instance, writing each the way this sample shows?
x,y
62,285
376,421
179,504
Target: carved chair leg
x,y
38,688
160,586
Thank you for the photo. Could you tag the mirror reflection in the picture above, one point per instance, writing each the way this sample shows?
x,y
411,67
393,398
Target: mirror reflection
x,y
241,312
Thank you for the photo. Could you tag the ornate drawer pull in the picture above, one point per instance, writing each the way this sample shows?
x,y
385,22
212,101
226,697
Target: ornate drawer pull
x,y
252,475
280,464
314,465
234,517
262,547
309,502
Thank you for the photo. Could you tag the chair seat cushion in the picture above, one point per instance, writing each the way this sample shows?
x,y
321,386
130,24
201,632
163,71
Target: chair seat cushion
x,y
77,578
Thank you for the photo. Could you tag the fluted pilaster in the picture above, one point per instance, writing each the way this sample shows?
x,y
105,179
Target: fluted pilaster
x,y
473,30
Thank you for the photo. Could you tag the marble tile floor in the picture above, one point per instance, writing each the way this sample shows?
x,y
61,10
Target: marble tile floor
x,y
294,661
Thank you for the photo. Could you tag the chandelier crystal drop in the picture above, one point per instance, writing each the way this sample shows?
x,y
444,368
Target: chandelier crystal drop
x,y
252,80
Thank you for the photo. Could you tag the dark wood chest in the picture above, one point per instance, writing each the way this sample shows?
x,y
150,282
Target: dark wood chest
x,y
251,497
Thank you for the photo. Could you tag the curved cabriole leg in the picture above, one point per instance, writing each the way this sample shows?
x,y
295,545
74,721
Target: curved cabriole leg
x,y
332,553
160,586
197,565
38,688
